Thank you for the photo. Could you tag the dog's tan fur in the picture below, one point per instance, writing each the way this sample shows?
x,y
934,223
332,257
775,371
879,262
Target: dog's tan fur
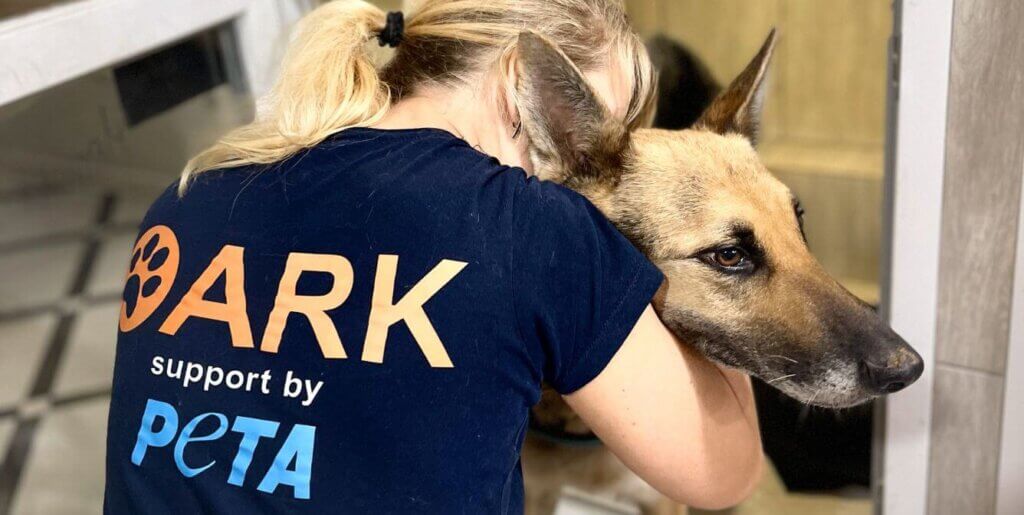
x,y
682,197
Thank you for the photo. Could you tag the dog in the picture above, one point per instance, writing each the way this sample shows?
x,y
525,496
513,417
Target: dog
x,y
685,85
740,284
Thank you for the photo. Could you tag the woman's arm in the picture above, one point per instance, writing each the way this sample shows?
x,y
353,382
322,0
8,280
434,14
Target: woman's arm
x,y
683,424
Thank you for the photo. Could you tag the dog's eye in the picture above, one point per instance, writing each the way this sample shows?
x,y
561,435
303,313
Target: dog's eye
x,y
730,259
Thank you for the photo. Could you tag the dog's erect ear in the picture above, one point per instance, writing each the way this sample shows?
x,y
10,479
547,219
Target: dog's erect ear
x,y
571,133
738,108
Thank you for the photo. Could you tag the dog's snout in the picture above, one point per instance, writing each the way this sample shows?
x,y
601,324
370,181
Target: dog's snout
x,y
899,369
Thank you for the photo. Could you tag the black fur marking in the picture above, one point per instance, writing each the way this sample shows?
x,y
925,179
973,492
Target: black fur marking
x,y
798,210
745,238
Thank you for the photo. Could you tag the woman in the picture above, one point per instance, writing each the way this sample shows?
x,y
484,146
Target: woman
x,y
350,304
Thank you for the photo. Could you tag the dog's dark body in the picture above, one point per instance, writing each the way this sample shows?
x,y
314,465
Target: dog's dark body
x,y
741,285
685,86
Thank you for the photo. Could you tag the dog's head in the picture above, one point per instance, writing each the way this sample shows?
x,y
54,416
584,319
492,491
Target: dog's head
x,y
741,284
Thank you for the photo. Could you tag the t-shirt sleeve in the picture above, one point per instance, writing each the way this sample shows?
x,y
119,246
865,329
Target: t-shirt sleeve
x,y
579,284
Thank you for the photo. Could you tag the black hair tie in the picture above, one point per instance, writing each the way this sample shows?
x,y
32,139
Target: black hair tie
x,y
392,33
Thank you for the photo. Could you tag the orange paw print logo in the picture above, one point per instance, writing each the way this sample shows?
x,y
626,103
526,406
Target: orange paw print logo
x,y
150,275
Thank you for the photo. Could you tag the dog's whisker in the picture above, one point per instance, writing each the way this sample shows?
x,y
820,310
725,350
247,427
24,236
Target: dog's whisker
x,y
781,378
791,360
806,410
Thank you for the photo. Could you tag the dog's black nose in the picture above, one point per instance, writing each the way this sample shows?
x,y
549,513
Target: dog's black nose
x,y
893,372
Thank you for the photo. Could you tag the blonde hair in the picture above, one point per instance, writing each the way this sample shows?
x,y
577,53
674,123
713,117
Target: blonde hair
x,y
328,81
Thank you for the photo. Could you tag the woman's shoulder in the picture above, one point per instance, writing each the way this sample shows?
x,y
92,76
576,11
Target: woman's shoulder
x,y
426,170
412,154
538,199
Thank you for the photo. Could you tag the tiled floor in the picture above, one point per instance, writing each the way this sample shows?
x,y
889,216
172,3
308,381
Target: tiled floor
x,y
25,263
24,342
65,237
63,249
6,429
89,357
61,475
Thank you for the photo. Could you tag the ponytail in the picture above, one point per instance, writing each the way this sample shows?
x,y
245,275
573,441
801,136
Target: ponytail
x,y
328,83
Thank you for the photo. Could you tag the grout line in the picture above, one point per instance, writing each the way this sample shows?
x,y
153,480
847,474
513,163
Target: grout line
x,y
21,445
966,368
102,298
67,305
28,312
46,374
67,400
83,396
82,277
14,462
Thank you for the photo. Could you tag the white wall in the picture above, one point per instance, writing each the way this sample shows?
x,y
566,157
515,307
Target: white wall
x,y
912,297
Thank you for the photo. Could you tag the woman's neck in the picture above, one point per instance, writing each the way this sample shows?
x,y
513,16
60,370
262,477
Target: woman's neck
x,y
464,113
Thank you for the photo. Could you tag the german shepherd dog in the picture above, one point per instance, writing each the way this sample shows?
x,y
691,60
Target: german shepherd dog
x,y
740,284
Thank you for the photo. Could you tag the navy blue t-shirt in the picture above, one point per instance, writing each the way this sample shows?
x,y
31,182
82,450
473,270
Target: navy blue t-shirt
x,y
359,329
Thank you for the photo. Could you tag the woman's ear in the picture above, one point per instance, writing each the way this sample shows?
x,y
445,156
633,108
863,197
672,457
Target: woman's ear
x,y
507,96
572,135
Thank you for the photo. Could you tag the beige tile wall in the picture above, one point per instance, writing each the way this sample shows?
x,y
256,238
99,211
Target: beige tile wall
x,y
984,152
981,205
965,437
824,124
